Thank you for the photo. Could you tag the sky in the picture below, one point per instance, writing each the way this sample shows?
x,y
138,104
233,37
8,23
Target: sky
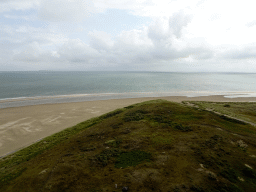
x,y
128,35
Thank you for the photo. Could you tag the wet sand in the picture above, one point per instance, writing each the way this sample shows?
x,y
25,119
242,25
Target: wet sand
x,y
22,126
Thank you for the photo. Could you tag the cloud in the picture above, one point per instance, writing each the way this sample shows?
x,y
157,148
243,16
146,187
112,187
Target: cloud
x,y
178,21
245,52
33,52
132,48
133,5
28,44
133,40
18,17
9,5
158,42
146,46
202,54
182,34
100,40
159,30
74,50
24,34
165,28
251,24
65,10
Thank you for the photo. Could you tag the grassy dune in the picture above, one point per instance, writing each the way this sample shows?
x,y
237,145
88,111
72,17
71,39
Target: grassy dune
x,y
151,146
245,111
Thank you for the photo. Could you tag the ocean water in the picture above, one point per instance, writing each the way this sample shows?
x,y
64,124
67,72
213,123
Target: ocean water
x,y
28,88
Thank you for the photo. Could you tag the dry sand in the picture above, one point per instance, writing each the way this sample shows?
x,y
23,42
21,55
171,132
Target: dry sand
x,y
22,126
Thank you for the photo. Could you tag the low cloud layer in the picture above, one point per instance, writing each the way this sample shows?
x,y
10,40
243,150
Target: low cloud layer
x,y
65,10
60,35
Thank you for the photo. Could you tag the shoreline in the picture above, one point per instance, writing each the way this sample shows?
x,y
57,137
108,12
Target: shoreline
x,y
25,125
55,99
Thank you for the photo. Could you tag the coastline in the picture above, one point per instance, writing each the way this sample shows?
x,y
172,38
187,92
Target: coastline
x,y
55,99
24,125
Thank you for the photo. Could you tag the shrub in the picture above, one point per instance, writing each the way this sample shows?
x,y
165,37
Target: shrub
x,y
132,158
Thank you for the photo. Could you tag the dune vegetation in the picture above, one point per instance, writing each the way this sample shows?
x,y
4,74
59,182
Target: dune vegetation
x,y
150,146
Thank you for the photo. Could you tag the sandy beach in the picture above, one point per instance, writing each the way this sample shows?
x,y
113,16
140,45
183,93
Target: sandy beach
x,y
22,126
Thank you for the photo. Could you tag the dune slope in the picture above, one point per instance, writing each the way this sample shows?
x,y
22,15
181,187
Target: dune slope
x,y
151,146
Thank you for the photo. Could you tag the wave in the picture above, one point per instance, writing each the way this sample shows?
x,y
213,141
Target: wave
x,y
23,101
180,93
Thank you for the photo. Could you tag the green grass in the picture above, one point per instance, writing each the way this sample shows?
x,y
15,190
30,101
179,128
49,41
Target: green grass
x,y
232,120
10,176
151,146
242,110
162,139
103,158
35,149
111,114
230,174
181,127
132,158
249,172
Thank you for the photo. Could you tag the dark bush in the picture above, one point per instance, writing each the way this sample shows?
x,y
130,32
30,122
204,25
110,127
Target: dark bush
x,y
132,158
181,127
249,172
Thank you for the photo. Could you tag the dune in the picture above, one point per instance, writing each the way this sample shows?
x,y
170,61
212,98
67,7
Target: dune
x,y
22,126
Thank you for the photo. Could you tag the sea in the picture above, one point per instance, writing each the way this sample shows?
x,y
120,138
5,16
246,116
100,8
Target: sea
x,y
41,87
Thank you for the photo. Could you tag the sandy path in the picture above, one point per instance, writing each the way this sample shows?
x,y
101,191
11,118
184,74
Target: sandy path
x,y
21,126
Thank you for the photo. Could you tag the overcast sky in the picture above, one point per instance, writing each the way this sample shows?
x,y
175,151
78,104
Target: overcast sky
x,y
128,35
